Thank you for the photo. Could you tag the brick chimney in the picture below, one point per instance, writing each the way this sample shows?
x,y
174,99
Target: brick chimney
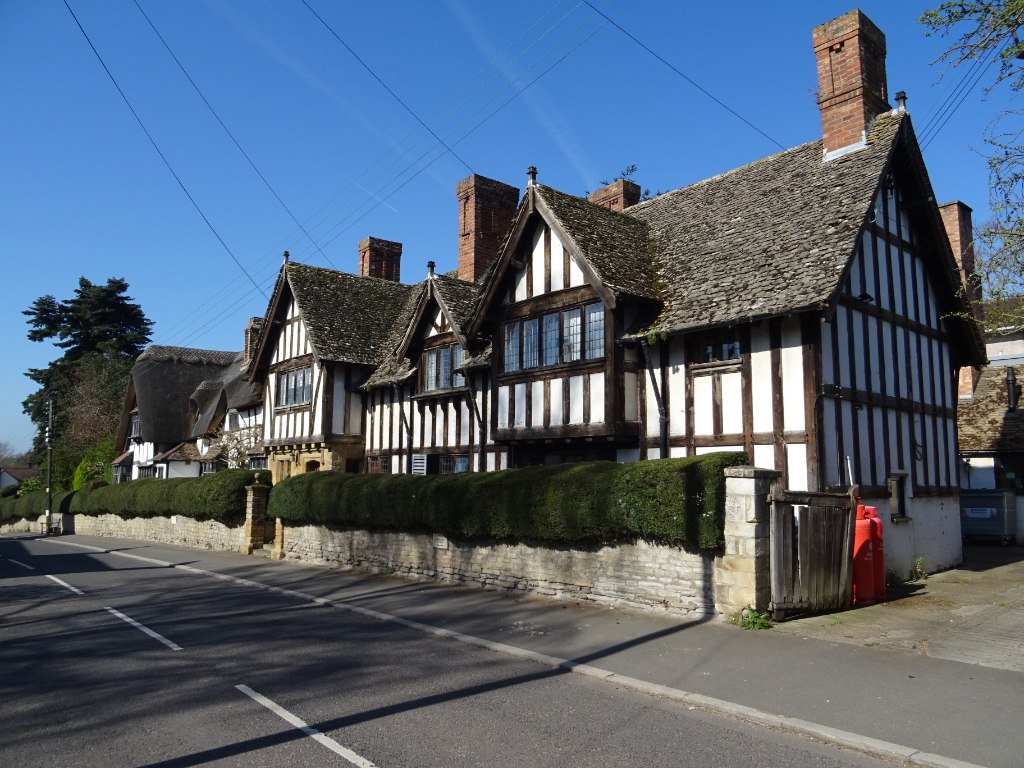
x,y
850,53
618,195
380,258
486,210
956,218
252,338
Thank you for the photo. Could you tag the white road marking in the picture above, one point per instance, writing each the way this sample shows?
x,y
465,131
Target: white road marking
x,y
23,565
64,584
313,733
141,628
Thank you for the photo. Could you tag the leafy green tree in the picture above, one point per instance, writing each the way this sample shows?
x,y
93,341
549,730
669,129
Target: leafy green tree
x,y
101,331
992,31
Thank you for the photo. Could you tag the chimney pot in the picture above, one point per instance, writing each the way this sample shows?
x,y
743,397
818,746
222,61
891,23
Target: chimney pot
x,y
531,175
430,269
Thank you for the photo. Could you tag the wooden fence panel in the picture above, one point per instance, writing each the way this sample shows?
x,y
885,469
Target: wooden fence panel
x,y
811,552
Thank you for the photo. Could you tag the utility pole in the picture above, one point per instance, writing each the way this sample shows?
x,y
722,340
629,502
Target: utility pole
x,y
49,463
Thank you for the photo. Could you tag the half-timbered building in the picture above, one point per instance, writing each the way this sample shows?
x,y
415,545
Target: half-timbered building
x,y
803,309
323,335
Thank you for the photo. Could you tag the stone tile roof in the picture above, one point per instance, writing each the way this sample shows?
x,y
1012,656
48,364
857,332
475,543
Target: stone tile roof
x,y
349,318
983,424
180,452
615,245
158,353
459,297
768,238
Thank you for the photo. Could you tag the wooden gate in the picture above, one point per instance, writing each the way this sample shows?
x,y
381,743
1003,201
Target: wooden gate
x,y
811,539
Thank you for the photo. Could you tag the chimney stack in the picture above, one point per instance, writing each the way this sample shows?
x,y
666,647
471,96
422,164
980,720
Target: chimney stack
x,y
617,196
850,53
380,258
956,218
486,210
252,338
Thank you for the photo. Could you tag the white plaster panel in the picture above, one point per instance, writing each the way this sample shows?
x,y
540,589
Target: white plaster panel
x,y
452,437
676,452
520,285
465,417
502,404
555,397
630,396
490,461
764,456
597,398
732,403
792,360
537,261
703,406
796,466
435,323
878,416
537,404
438,409
557,264
520,414
761,378
575,273
428,425
715,449
575,399
899,361
863,447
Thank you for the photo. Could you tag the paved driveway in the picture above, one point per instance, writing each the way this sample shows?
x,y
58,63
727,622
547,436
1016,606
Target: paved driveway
x,y
972,614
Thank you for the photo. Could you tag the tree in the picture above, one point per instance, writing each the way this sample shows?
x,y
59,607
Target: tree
x,y
992,30
101,331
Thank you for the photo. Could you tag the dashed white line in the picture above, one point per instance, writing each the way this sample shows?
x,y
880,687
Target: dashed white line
x,y
23,565
64,584
301,725
141,628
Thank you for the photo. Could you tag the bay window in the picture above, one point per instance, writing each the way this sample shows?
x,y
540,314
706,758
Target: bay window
x,y
568,336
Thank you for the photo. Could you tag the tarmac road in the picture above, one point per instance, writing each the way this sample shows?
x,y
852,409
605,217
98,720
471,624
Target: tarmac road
x,y
112,660
372,663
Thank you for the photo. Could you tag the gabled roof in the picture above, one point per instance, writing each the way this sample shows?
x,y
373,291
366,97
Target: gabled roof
x,y
771,237
614,245
455,298
348,318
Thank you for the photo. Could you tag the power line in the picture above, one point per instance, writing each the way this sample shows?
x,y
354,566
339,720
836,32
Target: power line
x,y
230,135
385,86
472,130
157,148
700,88
950,109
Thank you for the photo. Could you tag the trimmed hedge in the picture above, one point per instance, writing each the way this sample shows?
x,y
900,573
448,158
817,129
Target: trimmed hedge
x,y
33,505
219,497
670,501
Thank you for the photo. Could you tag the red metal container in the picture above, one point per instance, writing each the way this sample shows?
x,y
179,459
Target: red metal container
x,y
878,551
863,560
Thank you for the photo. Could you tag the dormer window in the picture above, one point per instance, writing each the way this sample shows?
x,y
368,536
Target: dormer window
x,y
135,428
439,368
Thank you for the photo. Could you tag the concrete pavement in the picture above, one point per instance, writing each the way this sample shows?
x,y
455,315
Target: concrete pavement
x,y
891,696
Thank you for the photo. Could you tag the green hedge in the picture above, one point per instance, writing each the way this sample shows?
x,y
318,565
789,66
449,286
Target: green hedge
x,y
220,497
29,506
670,501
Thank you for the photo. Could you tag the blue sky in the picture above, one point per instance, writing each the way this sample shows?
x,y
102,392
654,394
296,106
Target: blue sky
x,y
84,193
